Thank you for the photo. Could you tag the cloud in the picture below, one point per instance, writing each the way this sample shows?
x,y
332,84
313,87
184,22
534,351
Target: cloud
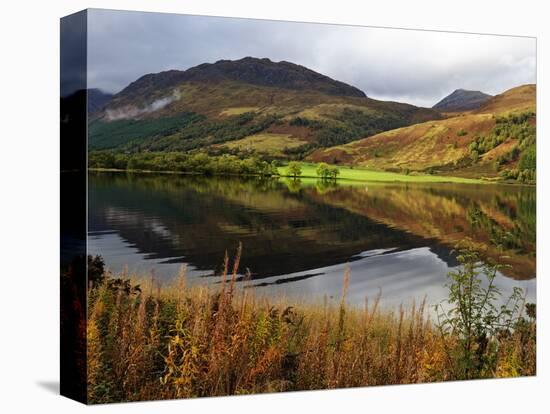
x,y
73,53
131,111
419,67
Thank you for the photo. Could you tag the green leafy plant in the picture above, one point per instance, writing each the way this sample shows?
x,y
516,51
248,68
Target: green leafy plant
x,y
475,314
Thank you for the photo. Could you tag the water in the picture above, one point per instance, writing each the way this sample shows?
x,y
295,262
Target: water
x,y
298,237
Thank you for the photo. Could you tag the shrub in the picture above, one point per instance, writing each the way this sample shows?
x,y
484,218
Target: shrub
x,y
472,314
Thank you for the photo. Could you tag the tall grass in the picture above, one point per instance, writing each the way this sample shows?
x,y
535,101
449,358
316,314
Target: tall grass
x,y
175,341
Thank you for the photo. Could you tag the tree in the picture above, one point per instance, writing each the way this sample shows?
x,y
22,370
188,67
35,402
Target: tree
x,y
96,270
323,170
133,163
333,172
327,172
528,160
294,169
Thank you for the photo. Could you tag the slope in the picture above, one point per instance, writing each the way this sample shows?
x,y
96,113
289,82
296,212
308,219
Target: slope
x,y
212,104
484,142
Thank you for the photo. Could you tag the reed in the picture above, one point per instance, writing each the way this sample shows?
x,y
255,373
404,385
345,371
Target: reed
x,y
175,341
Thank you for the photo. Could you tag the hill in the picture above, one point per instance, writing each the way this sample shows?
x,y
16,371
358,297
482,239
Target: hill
x,y
496,139
521,98
462,100
210,105
97,100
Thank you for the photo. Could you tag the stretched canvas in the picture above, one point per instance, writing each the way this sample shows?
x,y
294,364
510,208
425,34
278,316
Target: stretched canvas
x,y
253,206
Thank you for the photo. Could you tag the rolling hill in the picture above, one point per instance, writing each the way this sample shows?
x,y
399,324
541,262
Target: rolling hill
x,y
214,104
497,138
462,100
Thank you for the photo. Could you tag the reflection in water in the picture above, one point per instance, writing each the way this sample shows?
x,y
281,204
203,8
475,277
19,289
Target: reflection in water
x,y
297,237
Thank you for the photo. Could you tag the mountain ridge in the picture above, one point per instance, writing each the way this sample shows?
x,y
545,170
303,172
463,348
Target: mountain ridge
x,y
254,71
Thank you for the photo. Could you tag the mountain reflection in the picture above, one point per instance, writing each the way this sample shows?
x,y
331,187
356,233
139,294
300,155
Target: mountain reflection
x,y
287,229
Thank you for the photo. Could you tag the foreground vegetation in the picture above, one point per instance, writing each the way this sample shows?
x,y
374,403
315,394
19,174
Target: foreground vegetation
x,y
153,342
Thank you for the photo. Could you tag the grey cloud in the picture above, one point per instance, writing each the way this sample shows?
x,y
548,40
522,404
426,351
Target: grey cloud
x,y
134,111
73,53
418,67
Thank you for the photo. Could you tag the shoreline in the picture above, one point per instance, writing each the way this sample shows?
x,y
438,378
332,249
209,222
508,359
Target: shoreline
x,y
370,176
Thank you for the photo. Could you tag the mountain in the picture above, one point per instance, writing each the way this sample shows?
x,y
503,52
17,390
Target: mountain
x,y
499,136
462,100
97,100
269,108
254,71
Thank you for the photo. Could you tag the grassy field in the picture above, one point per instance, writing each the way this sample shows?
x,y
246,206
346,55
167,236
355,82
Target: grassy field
x,y
238,110
266,143
309,170
153,342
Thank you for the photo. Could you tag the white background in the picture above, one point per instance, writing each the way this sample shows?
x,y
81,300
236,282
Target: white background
x,y
29,194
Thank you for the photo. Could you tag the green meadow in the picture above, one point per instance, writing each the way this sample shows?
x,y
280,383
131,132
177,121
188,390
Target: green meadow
x,y
309,170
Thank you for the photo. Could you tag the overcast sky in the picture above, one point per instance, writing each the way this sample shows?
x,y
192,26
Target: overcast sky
x,y
418,67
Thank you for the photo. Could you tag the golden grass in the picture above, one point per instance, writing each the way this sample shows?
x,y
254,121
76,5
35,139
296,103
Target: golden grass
x,y
179,342
519,99
266,143
238,110
328,111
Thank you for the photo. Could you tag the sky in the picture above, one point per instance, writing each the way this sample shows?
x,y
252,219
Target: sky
x,y
417,67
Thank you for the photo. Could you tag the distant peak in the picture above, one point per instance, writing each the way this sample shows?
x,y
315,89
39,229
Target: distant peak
x,y
467,91
462,100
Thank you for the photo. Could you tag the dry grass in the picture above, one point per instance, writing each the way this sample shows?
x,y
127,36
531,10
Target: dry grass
x,y
179,342
328,111
238,110
416,146
266,143
518,99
